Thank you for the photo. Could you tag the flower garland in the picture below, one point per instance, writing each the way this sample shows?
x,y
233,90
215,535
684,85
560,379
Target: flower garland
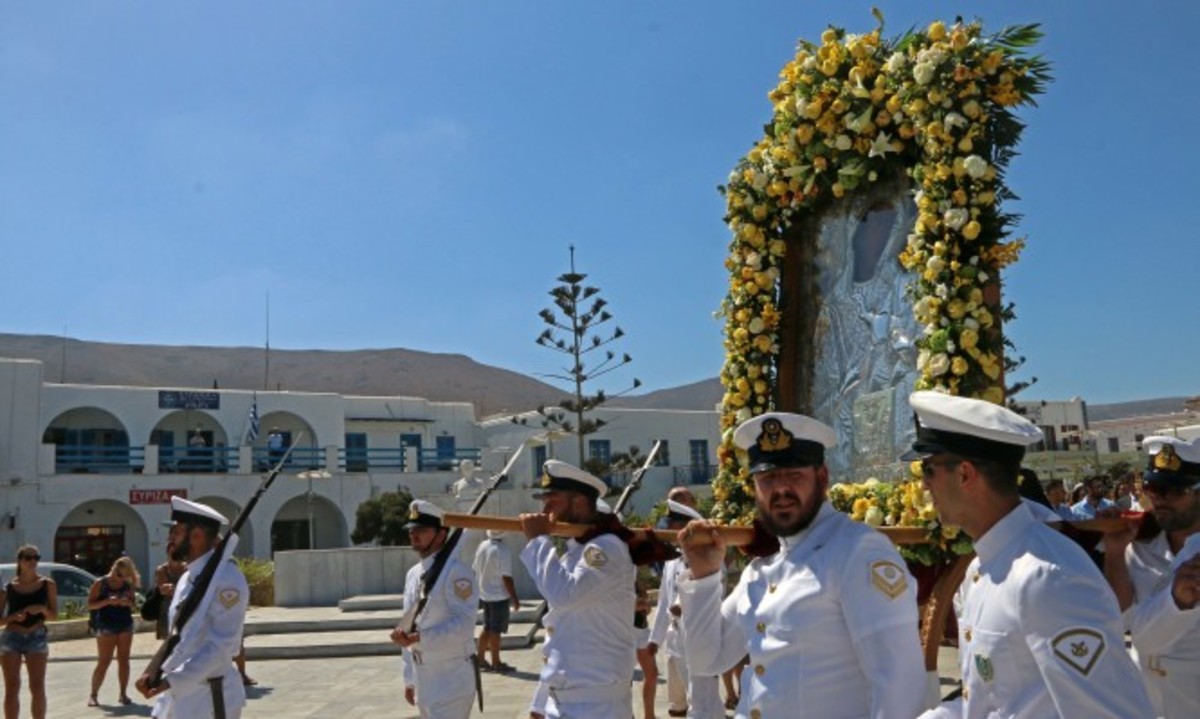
x,y
904,504
933,105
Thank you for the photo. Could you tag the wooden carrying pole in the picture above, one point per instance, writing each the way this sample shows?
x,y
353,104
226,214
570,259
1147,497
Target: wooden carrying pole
x,y
734,536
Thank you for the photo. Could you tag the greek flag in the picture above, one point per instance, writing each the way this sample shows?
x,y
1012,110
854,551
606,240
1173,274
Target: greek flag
x,y
252,421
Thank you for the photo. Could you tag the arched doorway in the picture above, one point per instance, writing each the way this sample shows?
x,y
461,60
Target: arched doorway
x,y
94,534
230,509
308,521
192,440
278,431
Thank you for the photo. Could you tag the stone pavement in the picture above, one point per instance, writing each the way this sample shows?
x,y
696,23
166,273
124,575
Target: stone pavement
x,y
346,687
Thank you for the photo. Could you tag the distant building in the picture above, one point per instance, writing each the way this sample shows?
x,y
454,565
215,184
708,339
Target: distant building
x,y
87,472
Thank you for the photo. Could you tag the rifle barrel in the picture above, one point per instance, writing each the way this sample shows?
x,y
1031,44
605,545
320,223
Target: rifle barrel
x,y
734,536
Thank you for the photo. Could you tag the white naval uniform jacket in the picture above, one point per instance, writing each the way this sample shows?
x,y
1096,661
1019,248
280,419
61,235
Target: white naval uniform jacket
x,y
208,643
1167,638
665,630
1040,633
829,622
439,666
591,654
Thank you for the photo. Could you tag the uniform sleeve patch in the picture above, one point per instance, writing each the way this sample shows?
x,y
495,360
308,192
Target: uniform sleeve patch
x,y
228,597
888,578
595,557
1079,649
462,588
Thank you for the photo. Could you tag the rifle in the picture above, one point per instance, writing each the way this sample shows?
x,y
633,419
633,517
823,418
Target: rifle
x,y
199,588
409,620
734,536
635,482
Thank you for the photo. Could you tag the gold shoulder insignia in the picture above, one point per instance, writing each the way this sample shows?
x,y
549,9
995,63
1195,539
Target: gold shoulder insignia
x,y
888,578
462,588
595,557
1079,649
228,597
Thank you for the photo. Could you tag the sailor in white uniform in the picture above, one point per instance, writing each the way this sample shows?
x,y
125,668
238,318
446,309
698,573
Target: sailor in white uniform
x,y
200,671
439,653
830,619
1157,578
1040,633
590,588
701,697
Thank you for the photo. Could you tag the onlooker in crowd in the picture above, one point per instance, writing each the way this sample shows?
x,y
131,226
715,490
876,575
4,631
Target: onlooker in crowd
x,y
112,598
166,575
645,656
275,448
438,662
1125,496
591,589
1156,577
1095,500
1056,492
1040,633
493,572
830,619
29,601
1078,492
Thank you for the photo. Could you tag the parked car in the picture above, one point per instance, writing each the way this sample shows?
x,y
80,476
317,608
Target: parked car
x,y
73,583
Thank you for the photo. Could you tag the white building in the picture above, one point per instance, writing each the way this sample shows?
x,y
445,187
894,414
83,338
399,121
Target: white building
x,y
87,472
1064,423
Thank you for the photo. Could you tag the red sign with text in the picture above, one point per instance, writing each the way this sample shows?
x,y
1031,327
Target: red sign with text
x,y
155,496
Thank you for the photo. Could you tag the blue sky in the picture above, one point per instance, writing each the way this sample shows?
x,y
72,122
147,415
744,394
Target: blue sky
x,y
411,174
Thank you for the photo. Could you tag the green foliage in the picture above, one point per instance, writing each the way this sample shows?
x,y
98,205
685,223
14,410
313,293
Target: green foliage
x,y
381,519
260,576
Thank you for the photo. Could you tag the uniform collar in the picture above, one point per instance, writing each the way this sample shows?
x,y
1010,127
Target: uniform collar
x,y
1014,524
787,544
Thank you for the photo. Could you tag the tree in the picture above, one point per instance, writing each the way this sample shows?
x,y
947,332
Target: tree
x,y
381,519
575,330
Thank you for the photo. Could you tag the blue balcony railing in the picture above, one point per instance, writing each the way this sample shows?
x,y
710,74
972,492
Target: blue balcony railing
x,y
216,460
375,459
93,459
434,460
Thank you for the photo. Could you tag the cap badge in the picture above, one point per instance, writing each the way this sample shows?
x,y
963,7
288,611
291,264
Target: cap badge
x,y
773,436
414,513
545,479
1167,459
1079,648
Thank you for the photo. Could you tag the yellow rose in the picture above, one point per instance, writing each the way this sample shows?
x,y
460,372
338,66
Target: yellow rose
x,y
958,39
994,394
804,134
956,308
829,36
958,366
936,31
965,145
971,230
968,338
838,190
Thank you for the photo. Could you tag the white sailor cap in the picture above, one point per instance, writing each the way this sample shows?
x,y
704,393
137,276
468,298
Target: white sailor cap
x,y
970,427
560,476
189,512
424,514
1172,461
783,439
677,512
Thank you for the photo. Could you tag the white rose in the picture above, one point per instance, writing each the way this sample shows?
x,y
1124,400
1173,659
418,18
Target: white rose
x,y
953,120
939,364
975,166
809,64
759,182
801,106
743,415
843,142
873,517
896,62
971,323
982,277
956,217
923,73
936,264
756,326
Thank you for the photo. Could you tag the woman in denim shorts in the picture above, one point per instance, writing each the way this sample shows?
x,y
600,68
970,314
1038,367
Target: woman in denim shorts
x,y
28,602
113,598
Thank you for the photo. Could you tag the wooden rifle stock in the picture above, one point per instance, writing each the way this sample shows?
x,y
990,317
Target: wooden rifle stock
x,y
200,587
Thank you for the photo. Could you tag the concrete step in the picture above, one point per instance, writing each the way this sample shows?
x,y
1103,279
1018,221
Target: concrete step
x,y
372,603
355,643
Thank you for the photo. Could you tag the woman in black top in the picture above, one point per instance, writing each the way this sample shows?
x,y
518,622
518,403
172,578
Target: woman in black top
x,y
29,601
113,598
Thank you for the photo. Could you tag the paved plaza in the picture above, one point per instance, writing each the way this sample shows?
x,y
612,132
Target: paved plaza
x,y
341,687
